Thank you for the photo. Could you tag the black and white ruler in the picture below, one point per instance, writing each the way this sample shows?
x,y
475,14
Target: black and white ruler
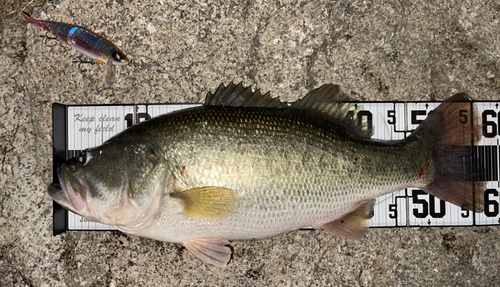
x,y
80,127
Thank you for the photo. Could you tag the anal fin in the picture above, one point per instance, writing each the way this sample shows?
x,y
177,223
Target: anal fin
x,y
353,225
213,251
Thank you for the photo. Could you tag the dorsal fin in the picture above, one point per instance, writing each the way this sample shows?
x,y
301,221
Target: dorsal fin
x,y
238,96
329,99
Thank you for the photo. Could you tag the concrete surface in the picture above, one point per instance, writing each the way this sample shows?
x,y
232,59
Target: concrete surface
x,y
377,50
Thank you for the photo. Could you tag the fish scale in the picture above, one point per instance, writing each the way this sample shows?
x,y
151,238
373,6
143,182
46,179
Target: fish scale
x,y
271,166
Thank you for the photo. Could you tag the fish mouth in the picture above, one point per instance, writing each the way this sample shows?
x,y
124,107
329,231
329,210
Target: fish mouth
x,y
59,195
70,194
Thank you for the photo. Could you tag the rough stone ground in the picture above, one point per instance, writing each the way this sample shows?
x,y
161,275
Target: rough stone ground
x,y
377,50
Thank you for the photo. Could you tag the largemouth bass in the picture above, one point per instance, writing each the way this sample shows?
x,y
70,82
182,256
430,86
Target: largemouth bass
x,y
248,166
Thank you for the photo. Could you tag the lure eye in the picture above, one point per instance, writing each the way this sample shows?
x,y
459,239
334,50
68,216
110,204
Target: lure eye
x,y
84,158
117,56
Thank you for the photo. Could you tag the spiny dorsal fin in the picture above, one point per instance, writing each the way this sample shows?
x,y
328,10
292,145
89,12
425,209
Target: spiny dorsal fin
x,y
329,99
238,96
209,202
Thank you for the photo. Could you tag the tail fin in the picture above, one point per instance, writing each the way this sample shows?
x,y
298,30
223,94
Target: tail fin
x,y
31,20
28,17
449,132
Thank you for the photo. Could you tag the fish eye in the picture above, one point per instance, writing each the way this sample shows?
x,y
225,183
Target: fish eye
x,y
117,56
84,157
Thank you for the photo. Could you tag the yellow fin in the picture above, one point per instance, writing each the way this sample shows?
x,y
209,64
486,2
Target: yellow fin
x,y
207,202
353,225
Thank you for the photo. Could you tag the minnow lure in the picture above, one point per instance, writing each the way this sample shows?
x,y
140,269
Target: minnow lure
x,y
83,40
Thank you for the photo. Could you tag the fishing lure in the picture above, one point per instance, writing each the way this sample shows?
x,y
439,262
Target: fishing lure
x,y
83,40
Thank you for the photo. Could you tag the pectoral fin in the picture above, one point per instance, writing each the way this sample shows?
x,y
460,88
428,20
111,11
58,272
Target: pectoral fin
x,y
213,251
353,225
207,202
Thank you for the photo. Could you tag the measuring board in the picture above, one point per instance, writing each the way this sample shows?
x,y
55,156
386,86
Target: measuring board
x,y
76,128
